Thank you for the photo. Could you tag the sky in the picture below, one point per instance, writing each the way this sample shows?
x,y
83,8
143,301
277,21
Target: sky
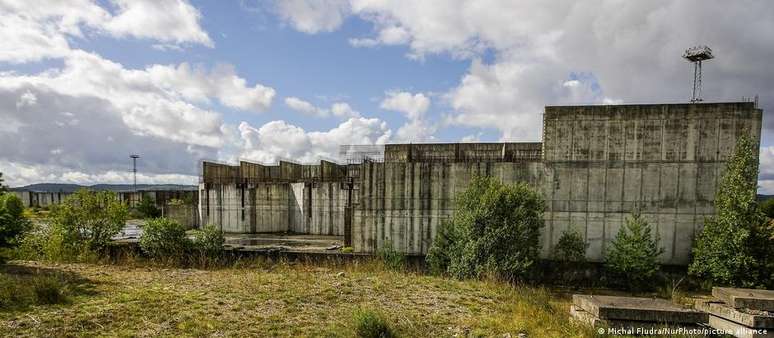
x,y
86,83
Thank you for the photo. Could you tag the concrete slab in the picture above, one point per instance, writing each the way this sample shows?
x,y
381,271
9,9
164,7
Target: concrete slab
x,y
750,318
752,299
637,309
627,327
738,330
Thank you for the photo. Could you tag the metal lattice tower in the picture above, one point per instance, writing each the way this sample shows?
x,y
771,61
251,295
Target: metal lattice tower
x,y
696,55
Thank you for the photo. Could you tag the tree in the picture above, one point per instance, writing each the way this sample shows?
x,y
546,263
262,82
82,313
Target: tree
x,y
735,244
571,247
88,219
13,223
3,188
495,231
633,254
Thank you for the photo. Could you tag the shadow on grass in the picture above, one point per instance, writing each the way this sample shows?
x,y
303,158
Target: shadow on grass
x,y
23,286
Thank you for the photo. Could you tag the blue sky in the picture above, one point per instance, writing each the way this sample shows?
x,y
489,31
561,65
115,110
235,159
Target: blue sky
x,y
84,83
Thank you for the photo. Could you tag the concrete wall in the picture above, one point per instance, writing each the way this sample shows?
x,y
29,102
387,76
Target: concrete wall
x,y
605,162
595,166
289,197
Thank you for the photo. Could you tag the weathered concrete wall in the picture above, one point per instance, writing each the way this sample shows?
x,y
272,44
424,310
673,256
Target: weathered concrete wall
x,y
596,165
605,162
288,197
601,164
185,214
403,203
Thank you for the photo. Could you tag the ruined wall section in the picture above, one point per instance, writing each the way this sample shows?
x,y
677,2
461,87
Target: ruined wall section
x,y
605,162
402,201
288,197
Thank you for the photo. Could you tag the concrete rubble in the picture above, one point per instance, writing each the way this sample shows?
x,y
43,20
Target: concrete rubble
x,y
744,313
634,315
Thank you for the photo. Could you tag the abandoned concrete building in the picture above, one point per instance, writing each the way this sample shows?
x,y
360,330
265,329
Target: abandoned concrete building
x,y
594,166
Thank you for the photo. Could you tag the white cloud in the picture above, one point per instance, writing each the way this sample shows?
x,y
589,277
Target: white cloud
x,y
277,140
342,109
414,107
338,109
313,16
26,99
195,83
17,175
632,49
173,21
32,31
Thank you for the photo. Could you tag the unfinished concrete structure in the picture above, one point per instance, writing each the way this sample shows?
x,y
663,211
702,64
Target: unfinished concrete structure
x,y
596,165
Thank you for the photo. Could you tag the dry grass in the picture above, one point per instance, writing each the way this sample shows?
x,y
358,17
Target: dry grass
x,y
283,299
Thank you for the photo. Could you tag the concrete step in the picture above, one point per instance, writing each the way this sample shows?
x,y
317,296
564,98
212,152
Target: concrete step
x,y
753,299
749,318
738,330
638,309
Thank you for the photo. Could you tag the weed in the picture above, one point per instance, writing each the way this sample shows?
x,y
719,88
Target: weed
x,y
371,324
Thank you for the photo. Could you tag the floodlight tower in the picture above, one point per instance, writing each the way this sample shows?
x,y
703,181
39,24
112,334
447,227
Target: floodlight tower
x,y
134,158
696,55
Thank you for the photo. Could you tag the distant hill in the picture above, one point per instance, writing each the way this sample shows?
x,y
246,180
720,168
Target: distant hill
x,y
65,187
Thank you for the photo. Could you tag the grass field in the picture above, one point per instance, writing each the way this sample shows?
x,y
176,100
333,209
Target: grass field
x,y
259,298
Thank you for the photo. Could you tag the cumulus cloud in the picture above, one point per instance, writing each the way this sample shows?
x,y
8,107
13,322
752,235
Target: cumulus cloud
x,y
338,109
32,31
313,16
196,83
64,133
278,140
632,49
414,107
173,21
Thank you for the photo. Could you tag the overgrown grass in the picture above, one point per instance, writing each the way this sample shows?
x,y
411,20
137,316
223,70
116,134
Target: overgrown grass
x,y
21,288
262,297
371,324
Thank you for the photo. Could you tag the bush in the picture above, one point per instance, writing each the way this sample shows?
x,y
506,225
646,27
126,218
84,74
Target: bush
x,y
209,241
13,222
495,231
571,247
370,324
632,258
147,208
79,228
163,238
767,207
735,246
438,258
392,259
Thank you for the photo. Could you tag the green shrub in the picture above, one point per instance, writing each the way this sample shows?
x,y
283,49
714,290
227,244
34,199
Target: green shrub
x,y
438,258
209,241
82,225
735,247
3,188
147,208
495,231
13,223
767,207
571,247
632,258
163,238
371,324
392,259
